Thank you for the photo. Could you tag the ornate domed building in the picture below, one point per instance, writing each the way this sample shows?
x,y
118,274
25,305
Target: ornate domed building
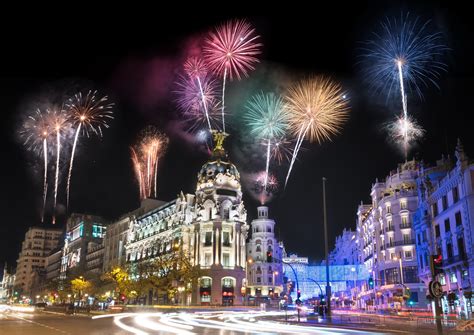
x,y
209,226
220,229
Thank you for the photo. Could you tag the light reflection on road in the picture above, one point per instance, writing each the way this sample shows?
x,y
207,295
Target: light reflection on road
x,y
225,322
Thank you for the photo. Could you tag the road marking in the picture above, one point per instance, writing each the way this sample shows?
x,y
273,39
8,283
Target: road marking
x,y
41,324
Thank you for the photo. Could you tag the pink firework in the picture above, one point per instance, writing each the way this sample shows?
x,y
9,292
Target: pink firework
x,y
197,99
232,49
195,68
264,191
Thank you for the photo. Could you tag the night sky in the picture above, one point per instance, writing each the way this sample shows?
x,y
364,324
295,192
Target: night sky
x,y
134,58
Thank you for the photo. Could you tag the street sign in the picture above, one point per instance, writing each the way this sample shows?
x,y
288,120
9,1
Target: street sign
x,y
436,289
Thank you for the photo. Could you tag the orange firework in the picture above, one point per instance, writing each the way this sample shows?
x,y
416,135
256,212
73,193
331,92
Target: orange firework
x,y
317,108
145,157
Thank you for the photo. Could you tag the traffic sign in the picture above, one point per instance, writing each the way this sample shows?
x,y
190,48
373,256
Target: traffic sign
x,y
436,289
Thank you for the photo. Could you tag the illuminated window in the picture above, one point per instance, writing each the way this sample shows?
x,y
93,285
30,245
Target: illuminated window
x,y
403,204
453,278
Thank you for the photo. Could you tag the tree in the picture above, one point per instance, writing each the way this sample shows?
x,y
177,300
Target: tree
x,y
80,286
171,271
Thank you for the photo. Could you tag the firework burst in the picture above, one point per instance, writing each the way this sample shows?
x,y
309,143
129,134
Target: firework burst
x,y
231,51
265,186
317,109
405,132
145,157
267,119
197,70
88,113
404,56
35,133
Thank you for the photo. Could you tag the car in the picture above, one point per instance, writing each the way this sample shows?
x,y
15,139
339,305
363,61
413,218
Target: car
x,y
41,304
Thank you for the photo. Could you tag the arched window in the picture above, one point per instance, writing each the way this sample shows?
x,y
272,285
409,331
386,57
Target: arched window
x,y
259,270
258,249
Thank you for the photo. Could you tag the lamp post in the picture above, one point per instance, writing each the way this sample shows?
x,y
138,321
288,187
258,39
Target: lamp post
x,y
353,270
326,250
249,263
399,259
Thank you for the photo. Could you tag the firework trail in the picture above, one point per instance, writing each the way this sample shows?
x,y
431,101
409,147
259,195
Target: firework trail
x,y
317,109
145,158
405,54
193,97
280,150
230,51
267,119
35,133
197,69
90,114
60,123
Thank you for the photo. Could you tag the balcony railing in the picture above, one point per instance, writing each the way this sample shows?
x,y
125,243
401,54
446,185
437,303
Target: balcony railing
x,y
405,225
454,259
397,243
390,228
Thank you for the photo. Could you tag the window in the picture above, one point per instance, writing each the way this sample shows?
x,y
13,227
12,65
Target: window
x,y
458,218
226,213
259,270
445,202
442,279
259,280
455,194
206,282
226,239
406,238
449,247
447,225
270,280
461,251
392,255
410,274
269,230
434,209
389,224
420,260
388,208
408,254
259,248
225,259
207,259
403,204
404,221
437,231
453,278
465,274
208,239
228,282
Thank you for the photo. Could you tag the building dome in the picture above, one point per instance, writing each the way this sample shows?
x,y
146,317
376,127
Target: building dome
x,y
219,174
212,169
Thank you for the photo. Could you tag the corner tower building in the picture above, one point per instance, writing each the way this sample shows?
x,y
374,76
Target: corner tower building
x,y
220,229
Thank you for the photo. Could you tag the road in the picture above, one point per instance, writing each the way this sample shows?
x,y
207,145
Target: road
x,y
222,323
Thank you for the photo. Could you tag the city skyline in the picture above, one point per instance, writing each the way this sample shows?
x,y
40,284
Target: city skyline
x,y
350,162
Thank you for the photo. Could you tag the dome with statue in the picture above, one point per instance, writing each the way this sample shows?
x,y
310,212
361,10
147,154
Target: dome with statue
x,y
219,172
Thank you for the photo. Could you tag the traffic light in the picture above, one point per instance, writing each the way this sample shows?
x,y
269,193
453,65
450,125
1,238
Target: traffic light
x,y
371,283
436,263
269,257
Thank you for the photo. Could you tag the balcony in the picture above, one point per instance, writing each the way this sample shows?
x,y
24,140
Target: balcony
x,y
398,243
454,260
405,225
367,258
391,228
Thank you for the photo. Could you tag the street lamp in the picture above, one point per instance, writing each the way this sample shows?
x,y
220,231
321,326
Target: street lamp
x,y
275,273
247,281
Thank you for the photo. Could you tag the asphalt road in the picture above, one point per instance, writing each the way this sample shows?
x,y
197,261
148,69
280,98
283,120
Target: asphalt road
x,y
222,323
